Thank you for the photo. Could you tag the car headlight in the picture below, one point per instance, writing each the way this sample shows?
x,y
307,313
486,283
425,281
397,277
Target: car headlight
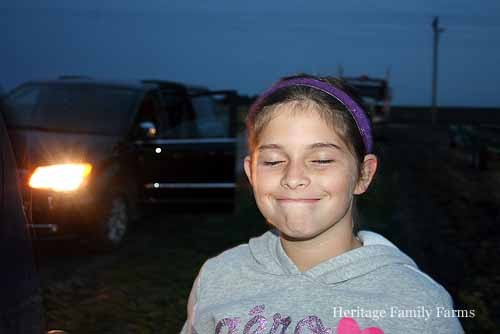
x,y
64,177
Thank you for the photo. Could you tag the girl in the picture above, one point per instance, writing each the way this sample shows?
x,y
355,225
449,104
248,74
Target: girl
x,y
310,152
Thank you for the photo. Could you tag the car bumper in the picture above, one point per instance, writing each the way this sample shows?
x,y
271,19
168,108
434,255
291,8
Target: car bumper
x,y
52,214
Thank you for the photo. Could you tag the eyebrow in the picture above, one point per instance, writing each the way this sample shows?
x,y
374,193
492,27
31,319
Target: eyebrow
x,y
325,145
310,147
270,147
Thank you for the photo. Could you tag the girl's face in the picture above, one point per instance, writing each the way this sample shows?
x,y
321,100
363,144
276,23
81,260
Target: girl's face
x,y
303,175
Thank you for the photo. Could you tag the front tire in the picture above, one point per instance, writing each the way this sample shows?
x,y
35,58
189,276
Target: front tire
x,y
113,224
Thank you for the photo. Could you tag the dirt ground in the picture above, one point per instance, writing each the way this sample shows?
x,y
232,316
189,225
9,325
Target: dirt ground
x,y
426,198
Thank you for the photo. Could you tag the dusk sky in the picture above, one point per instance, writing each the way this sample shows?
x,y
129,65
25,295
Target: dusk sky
x,y
248,45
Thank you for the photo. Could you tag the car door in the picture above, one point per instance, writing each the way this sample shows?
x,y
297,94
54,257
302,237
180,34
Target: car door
x,y
192,158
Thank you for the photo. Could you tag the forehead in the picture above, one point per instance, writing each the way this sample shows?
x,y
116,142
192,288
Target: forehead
x,y
298,123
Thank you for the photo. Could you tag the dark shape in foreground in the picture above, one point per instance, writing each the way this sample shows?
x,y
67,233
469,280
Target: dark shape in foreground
x,y
20,305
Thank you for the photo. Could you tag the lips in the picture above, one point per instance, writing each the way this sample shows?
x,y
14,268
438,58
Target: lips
x,y
287,200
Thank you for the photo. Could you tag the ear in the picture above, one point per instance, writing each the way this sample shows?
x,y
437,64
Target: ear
x,y
247,165
368,169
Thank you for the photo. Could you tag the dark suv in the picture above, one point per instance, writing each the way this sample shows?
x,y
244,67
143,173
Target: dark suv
x,y
89,152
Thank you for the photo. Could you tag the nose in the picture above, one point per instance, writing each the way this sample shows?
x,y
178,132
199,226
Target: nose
x,y
295,176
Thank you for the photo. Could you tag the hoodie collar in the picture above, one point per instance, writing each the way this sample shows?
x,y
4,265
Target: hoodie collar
x,y
375,253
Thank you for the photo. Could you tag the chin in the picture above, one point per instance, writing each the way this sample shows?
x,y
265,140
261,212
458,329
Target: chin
x,y
298,236
300,233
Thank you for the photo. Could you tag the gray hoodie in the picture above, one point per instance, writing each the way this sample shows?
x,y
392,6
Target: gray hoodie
x,y
256,288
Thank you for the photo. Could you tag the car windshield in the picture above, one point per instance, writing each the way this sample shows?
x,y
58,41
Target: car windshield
x,y
72,107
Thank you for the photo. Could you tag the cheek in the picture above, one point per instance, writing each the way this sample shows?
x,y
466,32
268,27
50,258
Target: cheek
x,y
265,180
338,183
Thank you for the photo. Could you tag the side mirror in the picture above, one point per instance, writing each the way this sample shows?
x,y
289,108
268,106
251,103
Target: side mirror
x,y
147,130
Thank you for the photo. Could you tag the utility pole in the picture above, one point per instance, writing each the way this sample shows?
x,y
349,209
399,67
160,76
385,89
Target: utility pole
x,y
436,30
340,71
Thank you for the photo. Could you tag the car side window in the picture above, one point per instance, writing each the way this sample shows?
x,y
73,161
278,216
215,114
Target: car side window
x,y
197,116
211,121
19,106
149,109
176,116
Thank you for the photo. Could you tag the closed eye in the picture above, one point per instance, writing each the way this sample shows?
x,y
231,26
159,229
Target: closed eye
x,y
323,161
273,163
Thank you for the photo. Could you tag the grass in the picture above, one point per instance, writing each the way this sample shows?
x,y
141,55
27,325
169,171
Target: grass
x,y
146,289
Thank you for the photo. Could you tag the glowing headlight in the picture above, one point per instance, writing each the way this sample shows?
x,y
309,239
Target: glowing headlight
x,y
65,177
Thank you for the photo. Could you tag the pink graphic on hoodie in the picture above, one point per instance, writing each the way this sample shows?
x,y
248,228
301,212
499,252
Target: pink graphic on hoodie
x,y
350,326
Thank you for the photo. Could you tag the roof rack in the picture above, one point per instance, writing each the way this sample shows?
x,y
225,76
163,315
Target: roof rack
x,y
164,83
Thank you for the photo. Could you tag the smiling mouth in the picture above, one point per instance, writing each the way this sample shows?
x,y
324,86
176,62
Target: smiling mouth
x,y
297,200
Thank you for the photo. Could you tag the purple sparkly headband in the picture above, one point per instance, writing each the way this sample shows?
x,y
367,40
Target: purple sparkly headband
x,y
355,109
